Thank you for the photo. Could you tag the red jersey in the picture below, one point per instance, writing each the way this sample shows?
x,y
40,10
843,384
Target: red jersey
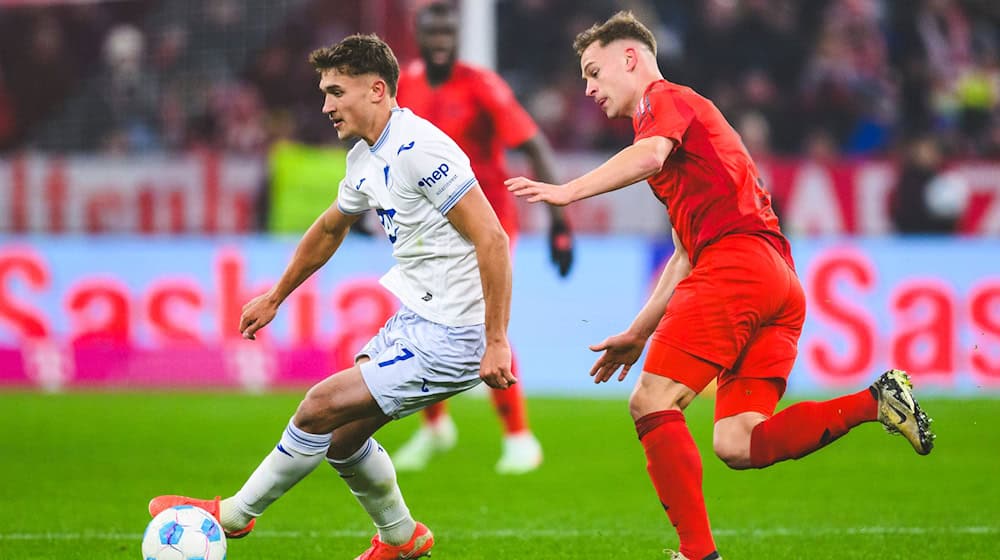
x,y
478,110
709,184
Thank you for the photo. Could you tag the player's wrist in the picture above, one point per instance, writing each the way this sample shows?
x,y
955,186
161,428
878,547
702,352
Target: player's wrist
x,y
273,297
640,331
496,339
572,191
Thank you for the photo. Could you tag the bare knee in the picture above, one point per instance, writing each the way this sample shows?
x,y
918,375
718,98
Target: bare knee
x,y
654,393
335,401
734,453
314,413
323,408
641,404
731,439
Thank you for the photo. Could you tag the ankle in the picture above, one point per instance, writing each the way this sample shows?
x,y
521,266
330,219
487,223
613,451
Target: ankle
x,y
232,517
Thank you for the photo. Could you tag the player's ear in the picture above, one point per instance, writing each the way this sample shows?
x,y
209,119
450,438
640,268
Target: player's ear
x,y
379,90
631,58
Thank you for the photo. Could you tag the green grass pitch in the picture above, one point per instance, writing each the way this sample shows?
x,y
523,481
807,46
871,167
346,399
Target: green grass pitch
x,y
78,469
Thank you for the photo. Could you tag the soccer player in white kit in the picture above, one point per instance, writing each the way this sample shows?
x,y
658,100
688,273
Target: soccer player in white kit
x,y
452,276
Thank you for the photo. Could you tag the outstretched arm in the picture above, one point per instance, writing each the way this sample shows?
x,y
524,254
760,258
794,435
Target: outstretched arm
x,y
539,153
631,165
316,247
474,218
622,350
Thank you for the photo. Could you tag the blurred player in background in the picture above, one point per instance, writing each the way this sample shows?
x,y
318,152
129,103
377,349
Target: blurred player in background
x,y
452,276
728,305
478,110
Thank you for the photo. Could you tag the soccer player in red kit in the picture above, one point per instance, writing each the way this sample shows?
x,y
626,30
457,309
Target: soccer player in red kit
x,y
728,305
477,109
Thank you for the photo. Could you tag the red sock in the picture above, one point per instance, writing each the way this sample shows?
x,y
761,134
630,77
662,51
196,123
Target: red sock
x,y
674,466
434,411
509,404
805,427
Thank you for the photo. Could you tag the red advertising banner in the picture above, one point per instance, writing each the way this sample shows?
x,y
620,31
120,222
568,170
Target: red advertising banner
x,y
854,197
203,193
210,193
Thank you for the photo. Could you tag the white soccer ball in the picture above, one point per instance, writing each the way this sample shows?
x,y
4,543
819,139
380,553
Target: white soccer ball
x,y
184,533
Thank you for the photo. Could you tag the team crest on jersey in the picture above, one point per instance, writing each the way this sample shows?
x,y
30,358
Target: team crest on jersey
x,y
388,223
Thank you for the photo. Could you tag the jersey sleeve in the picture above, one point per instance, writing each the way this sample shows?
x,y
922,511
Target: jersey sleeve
x,y
663,114
438,170
351,200
513,124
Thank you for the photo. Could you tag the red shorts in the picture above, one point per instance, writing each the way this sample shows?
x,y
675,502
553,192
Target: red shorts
x,y
738,317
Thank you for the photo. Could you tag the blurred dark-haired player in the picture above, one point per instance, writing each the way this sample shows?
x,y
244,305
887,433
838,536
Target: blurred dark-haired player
x,y
478,110
728,305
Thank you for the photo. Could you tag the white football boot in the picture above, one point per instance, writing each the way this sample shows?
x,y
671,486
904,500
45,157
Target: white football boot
x,y
431,438
521,454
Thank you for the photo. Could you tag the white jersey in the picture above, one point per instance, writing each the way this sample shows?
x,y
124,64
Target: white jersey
x,y
412,176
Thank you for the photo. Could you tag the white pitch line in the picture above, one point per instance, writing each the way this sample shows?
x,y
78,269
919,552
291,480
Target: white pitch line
x,y
545,533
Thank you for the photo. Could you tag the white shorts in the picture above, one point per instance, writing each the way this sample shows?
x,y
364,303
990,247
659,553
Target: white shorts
x,y
416,362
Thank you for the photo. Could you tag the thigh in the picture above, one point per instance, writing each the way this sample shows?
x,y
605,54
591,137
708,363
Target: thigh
x,y
666,360
336,401
419,363
758,379
740,396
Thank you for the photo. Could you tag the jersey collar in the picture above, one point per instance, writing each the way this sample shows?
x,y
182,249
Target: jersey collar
x,y
385,131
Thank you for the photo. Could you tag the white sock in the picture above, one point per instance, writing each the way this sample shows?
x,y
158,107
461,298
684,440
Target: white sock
x,y
372,479
295,456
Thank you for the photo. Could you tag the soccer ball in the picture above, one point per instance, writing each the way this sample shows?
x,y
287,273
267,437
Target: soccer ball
x,y
183,533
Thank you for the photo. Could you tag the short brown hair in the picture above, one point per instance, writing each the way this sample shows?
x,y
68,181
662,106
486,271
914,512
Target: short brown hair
x,y
357,55
622,25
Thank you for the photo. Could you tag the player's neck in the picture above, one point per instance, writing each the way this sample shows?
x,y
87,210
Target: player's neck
x,y
649,77
379,123
646,79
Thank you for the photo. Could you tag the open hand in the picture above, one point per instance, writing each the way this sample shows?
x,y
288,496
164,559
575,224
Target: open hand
x,y
536,191
620,351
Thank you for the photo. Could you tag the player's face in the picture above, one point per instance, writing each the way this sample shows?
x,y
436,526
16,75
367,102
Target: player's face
x,y
607,79
437,37
347,102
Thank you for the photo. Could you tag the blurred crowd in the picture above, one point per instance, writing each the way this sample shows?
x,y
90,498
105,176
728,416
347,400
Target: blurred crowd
x,y
823,78
829,77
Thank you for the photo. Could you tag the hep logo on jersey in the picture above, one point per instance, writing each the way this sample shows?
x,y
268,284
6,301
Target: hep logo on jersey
x,y
440,173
